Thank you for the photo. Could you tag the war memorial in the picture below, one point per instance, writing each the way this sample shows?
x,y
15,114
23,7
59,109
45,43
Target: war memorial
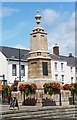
x,y
40,96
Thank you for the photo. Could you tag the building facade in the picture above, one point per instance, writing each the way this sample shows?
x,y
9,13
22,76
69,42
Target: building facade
x,y
11,65
63,68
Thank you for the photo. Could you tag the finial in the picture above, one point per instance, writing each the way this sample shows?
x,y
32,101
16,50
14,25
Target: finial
x,y
37,12
38,17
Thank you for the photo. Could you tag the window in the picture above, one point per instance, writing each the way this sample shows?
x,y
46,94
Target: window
x,y
22,70
71,79
62,65
56,77
62,77
55,64
14,71
45,68
71,68
38,53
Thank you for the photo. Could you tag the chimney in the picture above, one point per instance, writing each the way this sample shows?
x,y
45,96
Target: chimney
x,y
70,55
56,50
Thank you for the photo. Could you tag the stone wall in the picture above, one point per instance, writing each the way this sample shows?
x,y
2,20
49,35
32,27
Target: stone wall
x,y
35,69
42,99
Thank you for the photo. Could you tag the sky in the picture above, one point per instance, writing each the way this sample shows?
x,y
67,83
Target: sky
x,y
17,19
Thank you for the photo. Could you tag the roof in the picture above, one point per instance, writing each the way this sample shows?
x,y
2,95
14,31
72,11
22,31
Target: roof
x,y
13,53
71,60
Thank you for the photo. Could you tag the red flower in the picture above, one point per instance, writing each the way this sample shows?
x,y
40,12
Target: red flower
x,y
34,86
67,87
22,87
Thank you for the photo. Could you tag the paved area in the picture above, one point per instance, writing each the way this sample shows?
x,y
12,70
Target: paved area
x,y
5,108
26,112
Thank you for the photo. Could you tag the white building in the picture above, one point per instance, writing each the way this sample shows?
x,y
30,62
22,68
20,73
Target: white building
x,y
10,62
63,68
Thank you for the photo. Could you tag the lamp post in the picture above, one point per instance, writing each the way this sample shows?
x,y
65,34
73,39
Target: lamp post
x,y
60,97
19,65
20,57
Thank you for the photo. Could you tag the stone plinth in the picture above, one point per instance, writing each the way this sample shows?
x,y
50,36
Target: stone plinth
x,y
18,96
39,96
35,70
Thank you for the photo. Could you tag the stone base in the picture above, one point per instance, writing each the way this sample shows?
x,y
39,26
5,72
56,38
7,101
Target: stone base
x,y
40,82
30,102
48,102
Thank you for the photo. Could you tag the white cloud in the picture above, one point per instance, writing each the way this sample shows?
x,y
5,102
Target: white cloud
x,y
49,16
7,11
61,31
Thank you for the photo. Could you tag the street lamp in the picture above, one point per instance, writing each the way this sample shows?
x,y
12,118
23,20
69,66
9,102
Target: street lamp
x,y
19,65
20,57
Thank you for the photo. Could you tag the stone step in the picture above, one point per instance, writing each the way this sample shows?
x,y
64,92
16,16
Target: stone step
x,y
38,110
43,113
41,118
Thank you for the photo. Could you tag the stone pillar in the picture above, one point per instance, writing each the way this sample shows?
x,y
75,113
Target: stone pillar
x,y
39,96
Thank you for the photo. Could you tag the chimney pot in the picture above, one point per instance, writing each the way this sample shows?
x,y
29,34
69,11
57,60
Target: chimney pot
x,y
56,50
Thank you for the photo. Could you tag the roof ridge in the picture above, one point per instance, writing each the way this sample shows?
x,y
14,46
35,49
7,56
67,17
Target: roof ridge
x,y
14,48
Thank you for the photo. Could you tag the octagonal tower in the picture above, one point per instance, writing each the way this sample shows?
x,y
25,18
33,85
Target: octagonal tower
x,y
39,61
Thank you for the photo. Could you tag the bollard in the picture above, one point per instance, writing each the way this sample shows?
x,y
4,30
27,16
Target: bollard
x,y
73,98
24,98
60,99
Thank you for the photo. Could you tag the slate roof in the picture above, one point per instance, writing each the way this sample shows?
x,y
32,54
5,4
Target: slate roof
x,y
13,54
71,61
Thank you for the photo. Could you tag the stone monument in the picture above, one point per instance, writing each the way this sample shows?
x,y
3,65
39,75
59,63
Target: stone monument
x,y
39,60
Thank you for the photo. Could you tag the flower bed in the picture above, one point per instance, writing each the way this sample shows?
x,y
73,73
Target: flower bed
x,y
72,87
6,91
52,88
66,87
28,88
